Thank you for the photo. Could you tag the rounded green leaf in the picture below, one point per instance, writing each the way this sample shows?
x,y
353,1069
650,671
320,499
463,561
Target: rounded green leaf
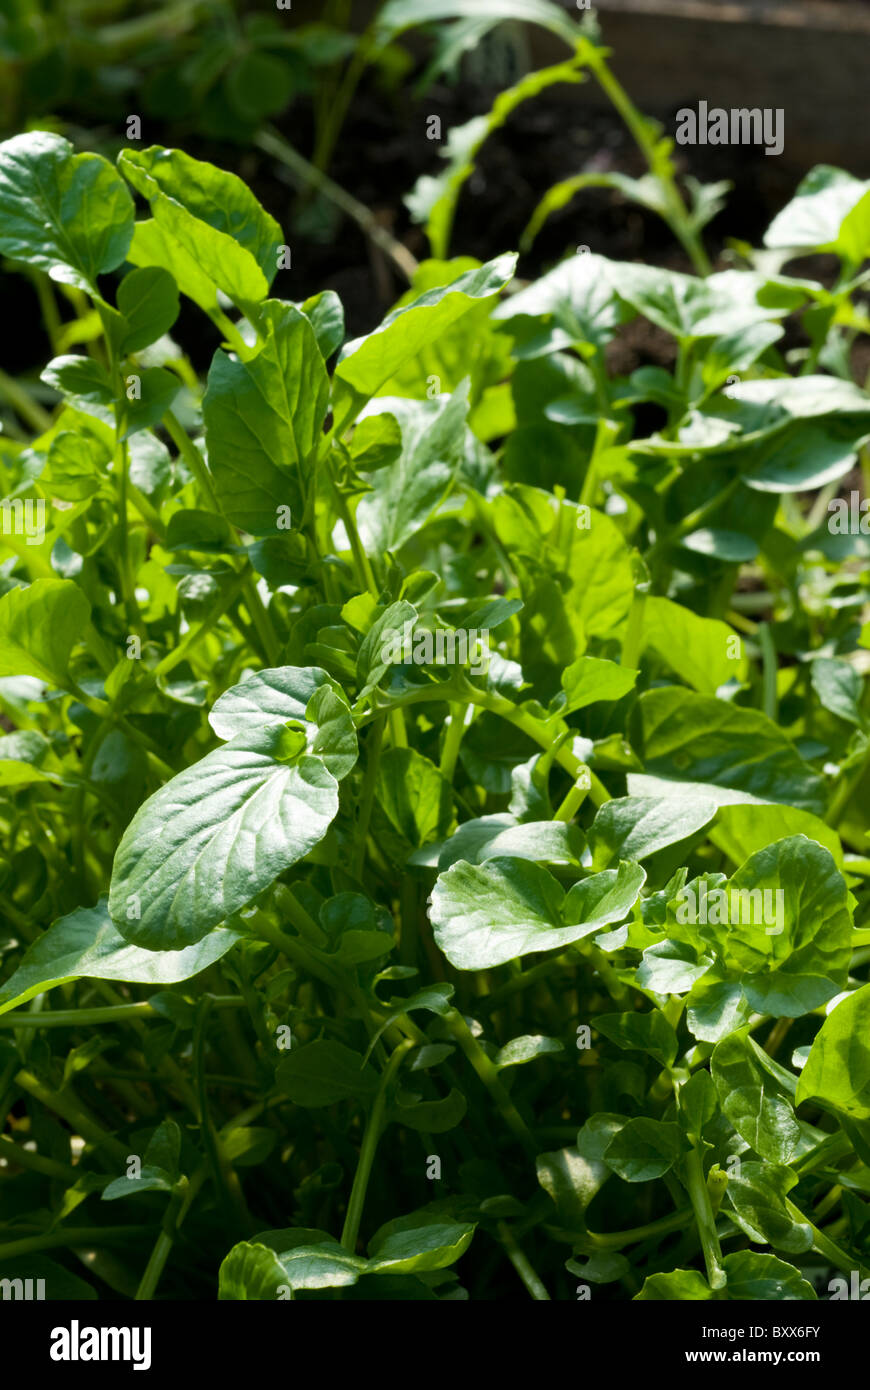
x,y
68,214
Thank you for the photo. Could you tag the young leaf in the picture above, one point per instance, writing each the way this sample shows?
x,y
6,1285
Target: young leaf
x,y
148,299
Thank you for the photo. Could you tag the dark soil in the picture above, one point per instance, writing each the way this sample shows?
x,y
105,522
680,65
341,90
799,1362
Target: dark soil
x,y
382,151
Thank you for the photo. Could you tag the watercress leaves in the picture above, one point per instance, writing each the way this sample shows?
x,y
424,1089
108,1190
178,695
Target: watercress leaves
x,y
685,737
68,214
39,626
485,915
837,1071
263,420
366,363
211,215
85,944
223,830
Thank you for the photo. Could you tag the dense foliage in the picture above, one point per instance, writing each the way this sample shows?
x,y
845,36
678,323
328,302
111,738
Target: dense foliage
x,y
433,794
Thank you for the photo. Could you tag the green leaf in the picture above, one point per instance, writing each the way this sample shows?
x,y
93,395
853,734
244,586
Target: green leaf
x,y
501,836
86,945
839,687
366,363
432,1116
263,421
211,215
837,1071
526,1049
399,15
488,914
683,1285
251,1272
39,626
377,441
159,1165
644,1149
590,679
280,1261
764,1277
259,85
757,1096
324,1072
690,307
648,1032
413,802
60,1285
406,492
148,392
698,1102
204,845
571,1180
634,827
577,297
153,246
742,830
797,961
704,652
148,299
684,737
422,1241
757,1194
829,212
305,694
65,213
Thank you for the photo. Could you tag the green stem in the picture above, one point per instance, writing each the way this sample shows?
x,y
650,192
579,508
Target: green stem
x,y
113,1013
367,796
676,213
488,1074
616,1240
845,790
26,1158
350,1230
540,733
179,1204
455,728
769,668
575,797
704,1219
69,1109
521,1263
67,1238
30,411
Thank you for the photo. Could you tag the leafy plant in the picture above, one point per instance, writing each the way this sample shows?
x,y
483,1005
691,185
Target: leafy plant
x,y
391,729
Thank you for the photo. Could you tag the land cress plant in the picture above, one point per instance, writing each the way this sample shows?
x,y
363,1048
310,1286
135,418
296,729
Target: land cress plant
x,y
342,960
